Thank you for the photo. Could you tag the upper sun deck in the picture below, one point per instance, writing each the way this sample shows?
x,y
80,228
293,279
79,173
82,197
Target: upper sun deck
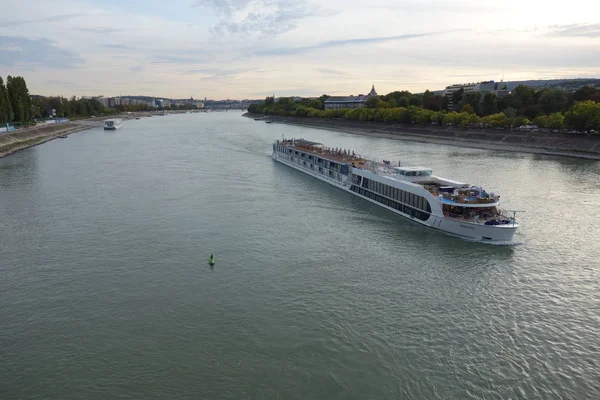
x,y
338,155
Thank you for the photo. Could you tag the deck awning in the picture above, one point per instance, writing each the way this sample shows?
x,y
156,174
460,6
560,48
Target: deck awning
x,y
303,142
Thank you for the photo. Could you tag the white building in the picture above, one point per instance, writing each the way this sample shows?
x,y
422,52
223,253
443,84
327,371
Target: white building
x,y
337,102
497,88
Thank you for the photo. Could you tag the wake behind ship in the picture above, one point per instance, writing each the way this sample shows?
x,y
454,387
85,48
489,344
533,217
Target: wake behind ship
x,y
413,192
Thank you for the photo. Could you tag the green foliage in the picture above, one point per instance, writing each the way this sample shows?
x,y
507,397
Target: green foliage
x,y
545,107
432,101
489,104
584,116
552,100
468,109
20,101
72,108
556,121
587,93
6,113
373,102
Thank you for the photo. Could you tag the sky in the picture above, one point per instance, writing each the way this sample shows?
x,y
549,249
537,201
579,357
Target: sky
x,y
248,49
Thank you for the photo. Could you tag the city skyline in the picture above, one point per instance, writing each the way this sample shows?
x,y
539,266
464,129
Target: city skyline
x,y
248,49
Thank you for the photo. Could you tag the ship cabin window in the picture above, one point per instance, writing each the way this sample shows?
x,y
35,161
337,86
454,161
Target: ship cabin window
x,y
413,171
407,203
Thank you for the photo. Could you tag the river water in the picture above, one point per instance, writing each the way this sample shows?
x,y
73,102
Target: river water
x,y
105,289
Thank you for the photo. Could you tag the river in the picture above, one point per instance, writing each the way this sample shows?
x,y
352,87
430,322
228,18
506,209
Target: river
x,y
106,292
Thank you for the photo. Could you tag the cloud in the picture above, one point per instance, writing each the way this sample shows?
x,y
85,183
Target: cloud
x,y
345,42
54,18
575,30
262,17
168,59
224,7
115,46
218,73
429,6
40,52
58,82
100,30
328,71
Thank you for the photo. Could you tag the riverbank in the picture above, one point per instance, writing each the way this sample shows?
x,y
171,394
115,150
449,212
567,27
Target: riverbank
x,y
557,144
22,139
25,138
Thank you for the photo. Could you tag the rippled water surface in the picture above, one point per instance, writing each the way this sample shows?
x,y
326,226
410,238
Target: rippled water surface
x,y
105,290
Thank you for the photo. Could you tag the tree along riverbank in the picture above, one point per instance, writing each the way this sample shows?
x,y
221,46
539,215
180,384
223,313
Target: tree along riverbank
x,y
559,144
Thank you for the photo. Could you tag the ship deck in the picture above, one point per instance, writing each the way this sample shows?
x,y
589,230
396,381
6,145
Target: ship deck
x,y
337,155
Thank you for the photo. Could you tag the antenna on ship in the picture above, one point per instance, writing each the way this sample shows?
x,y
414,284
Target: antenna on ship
x,y
514,218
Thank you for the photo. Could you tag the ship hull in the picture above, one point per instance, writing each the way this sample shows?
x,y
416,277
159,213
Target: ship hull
x,y
464,229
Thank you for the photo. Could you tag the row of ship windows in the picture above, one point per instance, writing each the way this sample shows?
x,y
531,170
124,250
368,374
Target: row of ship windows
x,y
331,174
411,199
314,159
419,214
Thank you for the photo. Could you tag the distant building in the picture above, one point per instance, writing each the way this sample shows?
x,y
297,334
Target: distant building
x,y
337,102
497,88
103,100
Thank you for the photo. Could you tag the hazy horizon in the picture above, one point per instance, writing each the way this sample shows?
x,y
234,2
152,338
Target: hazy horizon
x,y
240,49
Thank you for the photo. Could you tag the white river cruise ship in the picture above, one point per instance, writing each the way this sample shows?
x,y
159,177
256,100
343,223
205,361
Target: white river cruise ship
x,y
413,192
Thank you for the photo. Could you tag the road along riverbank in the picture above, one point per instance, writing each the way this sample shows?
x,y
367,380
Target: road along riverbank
x,y
549,143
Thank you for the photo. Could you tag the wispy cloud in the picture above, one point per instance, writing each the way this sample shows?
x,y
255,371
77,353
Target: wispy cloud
x,y
218,73
575,30
168,59
115,46
345,42
224,7
427,6
41,52
100,30
262,17
328,71
56,82
54,18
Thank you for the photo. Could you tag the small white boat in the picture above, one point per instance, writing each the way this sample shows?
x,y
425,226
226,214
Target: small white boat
x,y
112,124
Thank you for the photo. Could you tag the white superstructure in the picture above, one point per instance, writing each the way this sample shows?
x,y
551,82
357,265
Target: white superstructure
x,y
112,124
412,192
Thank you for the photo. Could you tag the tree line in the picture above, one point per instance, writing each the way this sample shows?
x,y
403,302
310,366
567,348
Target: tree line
x,y
18,106
15,103
547,108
